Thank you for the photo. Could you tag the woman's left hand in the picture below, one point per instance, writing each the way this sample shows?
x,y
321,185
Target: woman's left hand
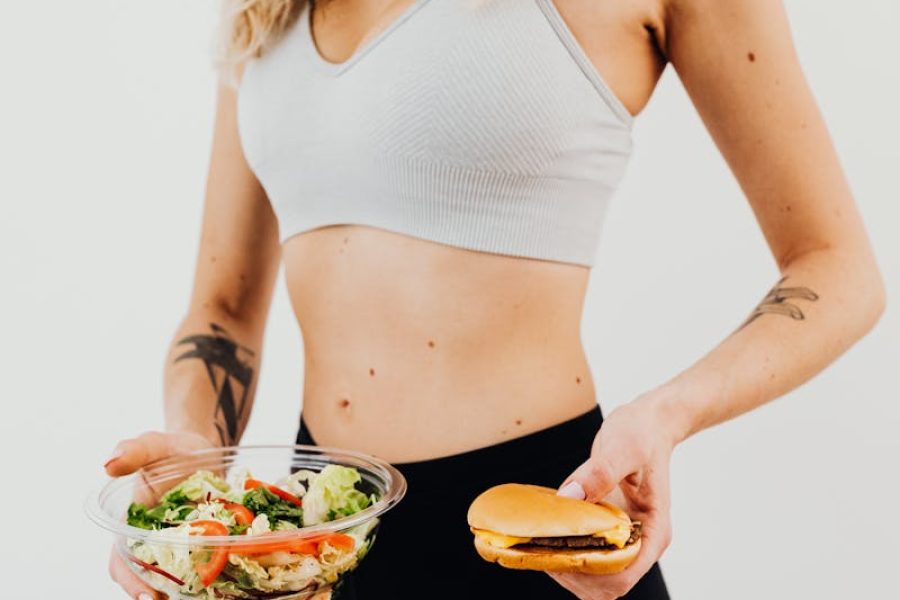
x,y
629,466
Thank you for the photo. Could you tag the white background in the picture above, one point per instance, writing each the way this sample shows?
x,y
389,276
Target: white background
x,y
105,122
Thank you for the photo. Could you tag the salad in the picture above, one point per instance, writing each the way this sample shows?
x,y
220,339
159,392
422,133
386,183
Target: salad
x,y
206,504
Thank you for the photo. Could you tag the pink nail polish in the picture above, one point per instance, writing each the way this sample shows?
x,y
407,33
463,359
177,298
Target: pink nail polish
x,y
572,489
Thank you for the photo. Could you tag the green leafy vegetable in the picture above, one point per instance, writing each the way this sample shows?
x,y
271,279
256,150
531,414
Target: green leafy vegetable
x,y
176,496
171,511
138,516
263,502
332,494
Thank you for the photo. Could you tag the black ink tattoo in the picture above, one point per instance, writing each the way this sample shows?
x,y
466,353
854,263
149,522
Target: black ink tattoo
x,y
219,354
775,302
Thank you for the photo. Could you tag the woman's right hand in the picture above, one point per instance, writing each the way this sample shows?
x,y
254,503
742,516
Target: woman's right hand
x,y
129,456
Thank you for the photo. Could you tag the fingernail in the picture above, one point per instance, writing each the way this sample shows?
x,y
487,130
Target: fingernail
x,y
572,489
144,596
117,454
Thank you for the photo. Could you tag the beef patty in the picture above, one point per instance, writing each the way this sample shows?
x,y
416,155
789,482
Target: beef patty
x,y
585,541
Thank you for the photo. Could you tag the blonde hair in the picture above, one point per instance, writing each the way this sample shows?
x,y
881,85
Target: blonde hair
x,y
248,28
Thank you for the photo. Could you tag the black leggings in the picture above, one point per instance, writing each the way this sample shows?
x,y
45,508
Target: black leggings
x,y
424,548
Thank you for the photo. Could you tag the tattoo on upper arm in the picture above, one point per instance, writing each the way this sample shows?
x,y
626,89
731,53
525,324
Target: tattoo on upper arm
x,y
775,302
221,356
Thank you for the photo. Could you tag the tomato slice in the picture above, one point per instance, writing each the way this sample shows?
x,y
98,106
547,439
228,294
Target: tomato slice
x,y
242,514
340,541
297,546
209,570
309,545
252,484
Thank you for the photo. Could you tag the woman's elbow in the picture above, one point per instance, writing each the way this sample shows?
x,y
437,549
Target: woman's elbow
x,y
855,272
877,300
872,299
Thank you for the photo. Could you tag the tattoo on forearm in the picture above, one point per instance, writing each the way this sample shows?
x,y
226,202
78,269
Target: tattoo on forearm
x,y
226,370
775,302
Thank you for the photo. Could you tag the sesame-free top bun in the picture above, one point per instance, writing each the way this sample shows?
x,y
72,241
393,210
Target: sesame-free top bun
x,y
530,511
587,560
534,511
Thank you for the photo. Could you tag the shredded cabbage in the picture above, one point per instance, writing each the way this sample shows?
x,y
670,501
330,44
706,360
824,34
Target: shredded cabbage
x,y
255,571
212,511
198,485
293,577
284,526
292,482
172,558
259,525
236,480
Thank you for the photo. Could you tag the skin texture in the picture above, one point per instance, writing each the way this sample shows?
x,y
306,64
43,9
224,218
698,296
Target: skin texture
x,y
403,336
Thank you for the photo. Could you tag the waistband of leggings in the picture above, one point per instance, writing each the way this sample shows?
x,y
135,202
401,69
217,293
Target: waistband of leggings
x,y
569,440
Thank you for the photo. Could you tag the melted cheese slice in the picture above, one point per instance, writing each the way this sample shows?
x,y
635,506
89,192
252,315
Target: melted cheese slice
x,y
617,536
498,539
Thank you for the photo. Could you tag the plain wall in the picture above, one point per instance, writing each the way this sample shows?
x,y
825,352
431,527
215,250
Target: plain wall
x,y
105,124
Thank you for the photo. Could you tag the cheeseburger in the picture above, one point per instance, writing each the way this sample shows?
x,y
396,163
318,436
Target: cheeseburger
x,y
529,527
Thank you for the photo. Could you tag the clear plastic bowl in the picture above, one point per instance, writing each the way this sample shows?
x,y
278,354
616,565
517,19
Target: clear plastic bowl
x,y
108,508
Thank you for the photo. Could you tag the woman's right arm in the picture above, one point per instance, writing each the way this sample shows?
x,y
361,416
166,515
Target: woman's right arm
x,y
212,364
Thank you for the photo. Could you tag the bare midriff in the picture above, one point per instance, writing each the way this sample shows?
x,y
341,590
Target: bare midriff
x,y
416,350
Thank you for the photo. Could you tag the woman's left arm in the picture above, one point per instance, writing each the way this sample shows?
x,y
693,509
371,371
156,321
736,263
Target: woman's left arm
x,y
738,64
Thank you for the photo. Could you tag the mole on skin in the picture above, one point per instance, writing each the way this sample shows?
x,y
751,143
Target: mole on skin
x,y
431,343
371,372
578,380
751,57
518,421
343,403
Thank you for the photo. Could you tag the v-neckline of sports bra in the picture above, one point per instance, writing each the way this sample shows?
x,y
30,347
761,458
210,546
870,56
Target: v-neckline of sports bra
x,y
368,43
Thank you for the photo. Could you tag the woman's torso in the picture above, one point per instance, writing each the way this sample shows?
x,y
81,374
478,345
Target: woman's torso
x,y
416,349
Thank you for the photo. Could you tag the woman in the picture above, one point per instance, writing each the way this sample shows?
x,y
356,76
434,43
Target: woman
x,y
433,174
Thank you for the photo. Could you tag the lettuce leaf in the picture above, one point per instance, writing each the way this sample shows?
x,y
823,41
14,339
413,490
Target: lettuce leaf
x,y
172,510
332,494
197,486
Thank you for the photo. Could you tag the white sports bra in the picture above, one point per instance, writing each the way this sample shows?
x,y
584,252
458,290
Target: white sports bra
x,y
475,123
